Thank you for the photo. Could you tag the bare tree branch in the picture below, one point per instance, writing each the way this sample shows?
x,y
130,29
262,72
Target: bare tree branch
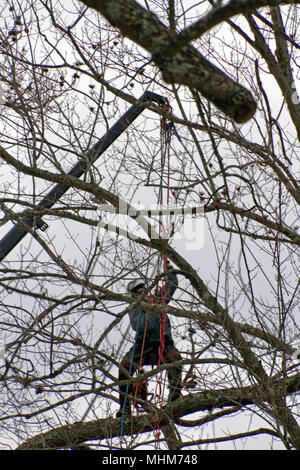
x,y
186,66
77,433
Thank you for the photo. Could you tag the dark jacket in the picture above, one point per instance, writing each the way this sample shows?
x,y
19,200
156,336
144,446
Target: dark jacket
x,y
138,317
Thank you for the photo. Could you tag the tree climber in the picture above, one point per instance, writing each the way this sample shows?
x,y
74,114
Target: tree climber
x,y
146,348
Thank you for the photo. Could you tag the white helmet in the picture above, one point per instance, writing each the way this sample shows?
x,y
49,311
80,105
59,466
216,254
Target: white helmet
x,y
133,285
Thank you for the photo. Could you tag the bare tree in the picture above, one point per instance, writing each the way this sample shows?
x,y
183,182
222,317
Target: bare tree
x,y
69,70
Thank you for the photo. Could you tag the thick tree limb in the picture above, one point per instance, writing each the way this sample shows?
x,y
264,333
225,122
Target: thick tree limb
x,y
77,433
185,66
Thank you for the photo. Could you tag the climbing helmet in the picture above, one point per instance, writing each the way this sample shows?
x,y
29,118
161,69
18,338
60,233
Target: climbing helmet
x,y
134,285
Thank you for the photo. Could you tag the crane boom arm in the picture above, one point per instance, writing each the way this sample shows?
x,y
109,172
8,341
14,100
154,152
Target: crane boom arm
x,y
18,232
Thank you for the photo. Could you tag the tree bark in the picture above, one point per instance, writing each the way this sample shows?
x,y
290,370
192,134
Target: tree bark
x,y
77,433
185,65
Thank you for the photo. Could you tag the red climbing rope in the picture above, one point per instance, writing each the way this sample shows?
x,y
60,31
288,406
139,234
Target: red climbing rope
x,y
162,315
166,136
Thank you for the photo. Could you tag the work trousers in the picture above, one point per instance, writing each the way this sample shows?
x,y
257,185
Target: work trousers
x,y
150,356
